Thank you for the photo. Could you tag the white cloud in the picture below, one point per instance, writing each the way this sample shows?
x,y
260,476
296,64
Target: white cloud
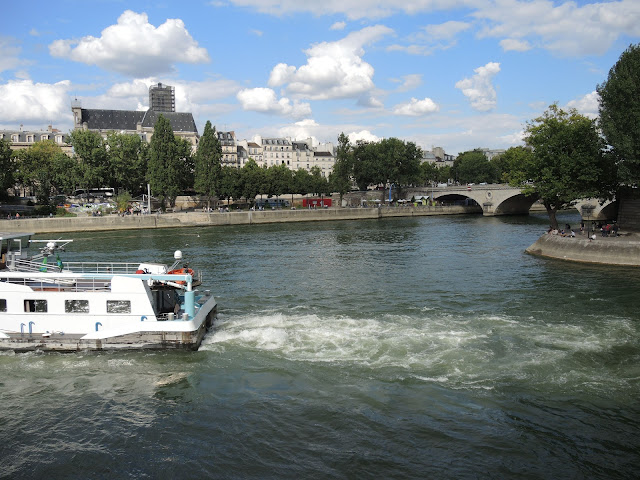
x,y
40,103
479,89
264,100
416,108
512,44
432,37
333,69
409,82
446,30
9,54
566,28
134,47
587,105
364,135
338,26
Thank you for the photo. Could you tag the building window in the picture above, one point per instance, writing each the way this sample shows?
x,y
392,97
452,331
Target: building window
x,y
118,306
35,306
59,138
14,138
29,138
44,137
3,304
76,306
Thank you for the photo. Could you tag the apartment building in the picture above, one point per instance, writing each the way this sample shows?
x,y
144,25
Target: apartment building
x,y
229,149
20,139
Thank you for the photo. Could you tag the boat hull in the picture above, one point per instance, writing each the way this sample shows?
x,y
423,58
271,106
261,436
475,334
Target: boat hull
x,y
159,336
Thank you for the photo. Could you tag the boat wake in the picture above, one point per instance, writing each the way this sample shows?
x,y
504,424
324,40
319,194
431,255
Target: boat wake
x,y
480,352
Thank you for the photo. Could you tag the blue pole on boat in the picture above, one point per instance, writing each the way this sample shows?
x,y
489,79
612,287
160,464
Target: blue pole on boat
x,y
98,323
22,325
143,318
30,325
190,303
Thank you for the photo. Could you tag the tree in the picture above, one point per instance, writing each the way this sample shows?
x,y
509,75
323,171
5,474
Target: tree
x,y
7,168
620,114
252,180
567,162
90,150
229,184
473,167
164,163
208,169
126,154
508,164
340,177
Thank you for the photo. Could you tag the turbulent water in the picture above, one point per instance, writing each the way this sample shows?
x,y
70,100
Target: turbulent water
x,y
400,348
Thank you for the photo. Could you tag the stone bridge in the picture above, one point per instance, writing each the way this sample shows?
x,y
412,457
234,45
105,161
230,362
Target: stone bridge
x,y
495,199
502,199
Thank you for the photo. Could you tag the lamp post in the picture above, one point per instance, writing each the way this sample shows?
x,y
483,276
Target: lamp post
x,y
586,210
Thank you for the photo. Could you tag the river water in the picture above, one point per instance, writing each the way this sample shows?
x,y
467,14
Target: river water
x,y
428,347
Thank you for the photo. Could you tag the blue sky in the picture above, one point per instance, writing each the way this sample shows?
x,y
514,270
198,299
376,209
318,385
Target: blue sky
x,y
459,74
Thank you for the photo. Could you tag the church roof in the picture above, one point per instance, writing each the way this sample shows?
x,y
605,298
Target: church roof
x,y
99,119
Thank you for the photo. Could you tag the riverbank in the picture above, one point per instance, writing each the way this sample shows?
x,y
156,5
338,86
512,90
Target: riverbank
x,y
623,250
202,219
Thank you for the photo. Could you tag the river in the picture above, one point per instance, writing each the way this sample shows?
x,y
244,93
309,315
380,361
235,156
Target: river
x,y
429,347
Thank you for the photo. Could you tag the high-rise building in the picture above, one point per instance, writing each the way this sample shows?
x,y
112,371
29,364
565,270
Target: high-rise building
x,y
162,98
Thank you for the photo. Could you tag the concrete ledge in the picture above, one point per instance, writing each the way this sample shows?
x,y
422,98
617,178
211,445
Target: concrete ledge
x,y
623,250
200,219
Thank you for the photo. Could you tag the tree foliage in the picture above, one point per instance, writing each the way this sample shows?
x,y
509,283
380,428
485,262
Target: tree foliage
x,y
620,114
389,161
89,148
473,167
127,162
567,161
166,167
208,170
7,168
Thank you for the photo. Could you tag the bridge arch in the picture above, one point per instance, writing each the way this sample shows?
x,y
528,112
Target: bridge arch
x,y
494,199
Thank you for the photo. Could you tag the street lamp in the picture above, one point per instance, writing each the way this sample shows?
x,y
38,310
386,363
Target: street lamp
x,y
587,210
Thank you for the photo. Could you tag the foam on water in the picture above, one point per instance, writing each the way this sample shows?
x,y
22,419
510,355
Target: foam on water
x,y
462,351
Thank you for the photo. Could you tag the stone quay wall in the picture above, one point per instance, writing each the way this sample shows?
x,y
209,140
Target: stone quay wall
x,y
623,250
214,219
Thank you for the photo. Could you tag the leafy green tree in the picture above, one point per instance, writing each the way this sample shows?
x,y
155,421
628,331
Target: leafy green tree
x,y
473,167
428,173
229,185
620,114
252,180
508,164
279,180
164,167
319,184
7,168
208,169
567,162
65,173
367,165
127,162
186,164
89,148
38,168
340,177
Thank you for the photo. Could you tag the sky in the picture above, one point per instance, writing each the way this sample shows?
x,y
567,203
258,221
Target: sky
x,y
457,74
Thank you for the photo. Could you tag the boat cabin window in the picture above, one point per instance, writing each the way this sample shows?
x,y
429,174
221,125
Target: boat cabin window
x,y
118,306
76,306
31,306
3,304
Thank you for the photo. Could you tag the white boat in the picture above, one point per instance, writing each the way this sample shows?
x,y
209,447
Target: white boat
x,y
50,306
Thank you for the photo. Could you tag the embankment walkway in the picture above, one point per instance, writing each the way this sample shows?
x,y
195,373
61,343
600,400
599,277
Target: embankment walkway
x,y
213,219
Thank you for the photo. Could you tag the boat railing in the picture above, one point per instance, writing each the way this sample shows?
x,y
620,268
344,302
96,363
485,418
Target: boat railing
x,y
60,284
109,268
23,265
